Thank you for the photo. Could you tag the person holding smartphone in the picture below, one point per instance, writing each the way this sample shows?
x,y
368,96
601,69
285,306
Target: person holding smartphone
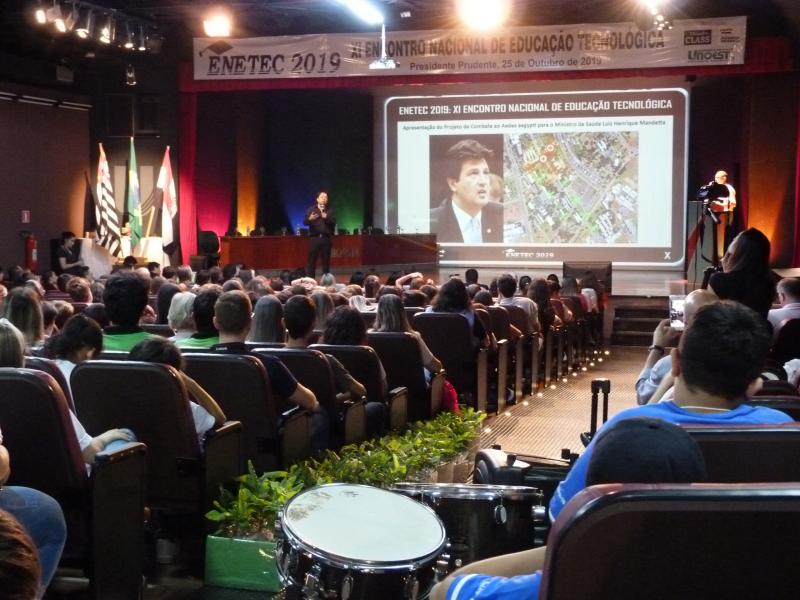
x,y
658,363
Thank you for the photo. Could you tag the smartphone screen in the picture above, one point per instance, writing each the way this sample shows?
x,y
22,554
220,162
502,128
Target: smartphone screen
x,y
676,305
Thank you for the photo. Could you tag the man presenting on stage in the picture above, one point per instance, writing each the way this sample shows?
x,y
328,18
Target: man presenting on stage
x,y
721,201
321,224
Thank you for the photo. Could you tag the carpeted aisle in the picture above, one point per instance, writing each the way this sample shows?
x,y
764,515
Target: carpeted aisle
x,y
542,426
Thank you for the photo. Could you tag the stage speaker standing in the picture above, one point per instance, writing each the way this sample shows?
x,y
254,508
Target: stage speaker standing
x,y
321,226
721,200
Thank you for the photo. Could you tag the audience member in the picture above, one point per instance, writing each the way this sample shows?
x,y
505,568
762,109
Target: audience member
x,y
24,309
232,317
184,275
97,311
324,307
539,292
81,340
716,366
746,276
164,300
506,286
346,327
49,313
789,297
206,413
639,450
180,317
471,277
206,334
20,573
268,323
414,299
125,298
391,317
41,518
658,364
452,298
79,290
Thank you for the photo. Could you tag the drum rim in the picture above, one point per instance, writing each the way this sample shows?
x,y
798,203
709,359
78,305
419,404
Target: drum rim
x,y
363,566
474,491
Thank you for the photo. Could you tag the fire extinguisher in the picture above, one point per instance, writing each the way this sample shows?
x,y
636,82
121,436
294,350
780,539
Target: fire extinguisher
x,y
31,253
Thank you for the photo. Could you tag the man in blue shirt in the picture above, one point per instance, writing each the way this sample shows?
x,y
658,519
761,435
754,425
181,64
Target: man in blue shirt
x,y
716,367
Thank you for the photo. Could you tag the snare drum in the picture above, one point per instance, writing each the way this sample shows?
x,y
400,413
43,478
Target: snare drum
x,y
359,542
481,520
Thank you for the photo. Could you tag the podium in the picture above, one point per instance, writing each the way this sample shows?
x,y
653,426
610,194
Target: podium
x,y
700,240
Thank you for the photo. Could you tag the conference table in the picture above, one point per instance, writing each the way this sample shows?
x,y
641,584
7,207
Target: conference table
x,y
396,251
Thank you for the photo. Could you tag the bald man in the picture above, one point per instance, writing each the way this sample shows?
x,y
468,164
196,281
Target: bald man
x,y
659,364
723,205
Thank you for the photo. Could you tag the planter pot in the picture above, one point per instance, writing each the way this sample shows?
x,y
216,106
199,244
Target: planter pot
x,y
243,564
461,471
444,473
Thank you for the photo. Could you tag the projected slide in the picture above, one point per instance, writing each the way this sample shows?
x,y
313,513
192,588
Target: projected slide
x,y
541,178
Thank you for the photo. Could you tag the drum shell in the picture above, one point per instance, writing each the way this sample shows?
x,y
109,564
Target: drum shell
x,y
473,526
319,559
366,584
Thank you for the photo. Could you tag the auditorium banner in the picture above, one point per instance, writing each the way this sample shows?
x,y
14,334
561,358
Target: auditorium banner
x,y
700,42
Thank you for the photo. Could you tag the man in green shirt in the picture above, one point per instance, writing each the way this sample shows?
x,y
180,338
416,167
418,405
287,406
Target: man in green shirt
x,y
125,298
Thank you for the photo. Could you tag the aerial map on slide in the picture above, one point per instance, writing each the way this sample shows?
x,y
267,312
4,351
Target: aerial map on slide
x,y
571,188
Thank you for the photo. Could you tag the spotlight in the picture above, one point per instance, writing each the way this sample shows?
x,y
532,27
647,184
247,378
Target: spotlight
x,y
128,37
40,14
130,76
483,15
107,32
142,40
86,27
539,395
365,10
53,15
72,18
217,25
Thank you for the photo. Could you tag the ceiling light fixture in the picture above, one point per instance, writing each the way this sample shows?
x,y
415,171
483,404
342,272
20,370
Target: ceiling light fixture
x,y
40,14
128,37
85,28
107,32
365,10
483,15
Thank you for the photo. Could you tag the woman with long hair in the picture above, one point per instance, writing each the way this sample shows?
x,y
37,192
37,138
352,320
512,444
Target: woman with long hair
x,y
24,309
392,317
452,297
746,276
324,304
164,300
268,323
539,292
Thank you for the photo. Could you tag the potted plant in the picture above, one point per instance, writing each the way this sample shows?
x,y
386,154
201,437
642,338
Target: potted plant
x,y
242,552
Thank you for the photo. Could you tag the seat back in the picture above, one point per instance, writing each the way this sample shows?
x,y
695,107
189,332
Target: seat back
x,y
749,453
362,363
254,345
787,343
501,323
240,385
518,317
311,368
449,338
151,400
776,387
51,368
790,404
412,310
36,426
369,318
158,329
401,357
691,542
